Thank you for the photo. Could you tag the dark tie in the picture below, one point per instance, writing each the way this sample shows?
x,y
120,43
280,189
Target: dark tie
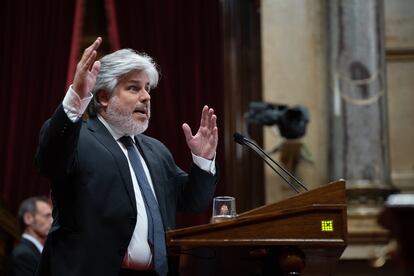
x,y
156,235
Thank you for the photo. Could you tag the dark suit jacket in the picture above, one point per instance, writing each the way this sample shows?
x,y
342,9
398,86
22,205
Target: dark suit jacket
x,y
94,203
24,259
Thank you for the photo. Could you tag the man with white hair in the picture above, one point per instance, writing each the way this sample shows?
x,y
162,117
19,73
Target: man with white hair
x,y
115,190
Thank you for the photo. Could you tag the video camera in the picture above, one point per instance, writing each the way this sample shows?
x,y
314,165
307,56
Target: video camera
x,y
291,121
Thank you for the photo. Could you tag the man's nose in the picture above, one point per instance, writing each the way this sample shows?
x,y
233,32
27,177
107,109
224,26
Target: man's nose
x,y
145,95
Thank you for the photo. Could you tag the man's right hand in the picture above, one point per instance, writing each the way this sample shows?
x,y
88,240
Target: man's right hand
x,y
87,70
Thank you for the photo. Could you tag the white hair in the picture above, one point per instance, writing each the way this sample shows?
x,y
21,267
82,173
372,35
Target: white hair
x,y
116,65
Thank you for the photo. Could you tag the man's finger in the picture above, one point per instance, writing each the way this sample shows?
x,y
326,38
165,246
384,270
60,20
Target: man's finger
x,y
215,136
90,51
204,117
210,116
213,121
95,67
187,132
88,64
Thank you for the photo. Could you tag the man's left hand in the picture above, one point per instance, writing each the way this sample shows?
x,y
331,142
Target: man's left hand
x,y
204,142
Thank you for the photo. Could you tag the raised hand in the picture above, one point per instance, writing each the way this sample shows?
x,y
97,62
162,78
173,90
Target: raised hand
x,y
204,142
87,70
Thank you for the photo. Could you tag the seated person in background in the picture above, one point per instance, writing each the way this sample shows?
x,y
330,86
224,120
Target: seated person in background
x,y
35,219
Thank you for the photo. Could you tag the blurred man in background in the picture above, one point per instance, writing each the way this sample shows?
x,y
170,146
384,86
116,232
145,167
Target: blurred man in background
x,y
35,220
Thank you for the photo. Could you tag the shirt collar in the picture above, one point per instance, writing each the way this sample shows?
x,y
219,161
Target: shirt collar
x,y
112,130
37,243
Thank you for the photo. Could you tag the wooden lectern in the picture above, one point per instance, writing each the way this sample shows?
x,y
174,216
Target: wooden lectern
x,y
302,235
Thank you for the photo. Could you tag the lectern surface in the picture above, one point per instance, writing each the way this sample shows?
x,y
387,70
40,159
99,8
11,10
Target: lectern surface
x,y
307,232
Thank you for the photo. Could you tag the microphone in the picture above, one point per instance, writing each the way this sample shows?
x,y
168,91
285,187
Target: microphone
x,y
240,139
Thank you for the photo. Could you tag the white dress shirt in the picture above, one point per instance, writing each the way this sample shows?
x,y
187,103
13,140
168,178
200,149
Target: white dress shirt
x,y
138,255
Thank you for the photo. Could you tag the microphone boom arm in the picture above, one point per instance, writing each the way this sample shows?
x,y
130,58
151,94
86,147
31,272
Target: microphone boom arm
x,y
274,169
240,139
274,162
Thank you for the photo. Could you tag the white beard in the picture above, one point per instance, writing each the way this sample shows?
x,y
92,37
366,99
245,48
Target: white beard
x,y
122,120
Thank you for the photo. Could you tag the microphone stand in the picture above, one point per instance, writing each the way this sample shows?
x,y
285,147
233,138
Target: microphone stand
x,y
240,139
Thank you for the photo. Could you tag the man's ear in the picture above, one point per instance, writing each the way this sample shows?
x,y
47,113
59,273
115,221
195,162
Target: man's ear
x,y
103,97
28,218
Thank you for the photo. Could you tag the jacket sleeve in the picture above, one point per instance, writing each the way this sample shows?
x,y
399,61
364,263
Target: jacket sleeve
x,y
57,144
197,190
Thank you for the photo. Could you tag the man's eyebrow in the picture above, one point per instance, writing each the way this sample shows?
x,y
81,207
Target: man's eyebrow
x,y
136,82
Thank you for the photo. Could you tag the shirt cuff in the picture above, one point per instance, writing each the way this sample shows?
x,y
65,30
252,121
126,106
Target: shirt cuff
x,y
205,164
74,106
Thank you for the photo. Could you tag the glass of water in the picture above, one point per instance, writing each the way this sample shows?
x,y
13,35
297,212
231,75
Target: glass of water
x,y
224,208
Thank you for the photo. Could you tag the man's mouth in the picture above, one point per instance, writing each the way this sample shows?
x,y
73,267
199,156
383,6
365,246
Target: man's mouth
x,y
142,110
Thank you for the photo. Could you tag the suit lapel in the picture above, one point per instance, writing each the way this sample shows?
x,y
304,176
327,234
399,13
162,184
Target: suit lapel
x,y
105,138
32,247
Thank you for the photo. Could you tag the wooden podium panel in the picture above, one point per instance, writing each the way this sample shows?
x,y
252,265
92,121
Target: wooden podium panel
x,y
306,233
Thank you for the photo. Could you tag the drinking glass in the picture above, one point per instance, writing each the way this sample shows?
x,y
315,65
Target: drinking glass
x,y
224,208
